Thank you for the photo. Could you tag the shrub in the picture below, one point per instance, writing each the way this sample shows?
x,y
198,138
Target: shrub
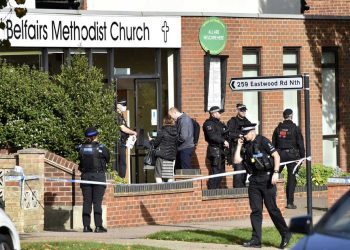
x,y
53,114
31,107
92,103
319,174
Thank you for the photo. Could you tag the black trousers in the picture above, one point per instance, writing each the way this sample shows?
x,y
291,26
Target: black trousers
x,y
92,195
292,180
239,179
121,167
262,191
217,167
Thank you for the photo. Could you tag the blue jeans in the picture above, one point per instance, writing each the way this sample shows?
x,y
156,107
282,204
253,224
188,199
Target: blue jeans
x,y
183,159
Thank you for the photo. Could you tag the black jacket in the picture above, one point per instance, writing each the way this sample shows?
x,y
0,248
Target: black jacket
x,y
287,135
166,143
234,126
214,131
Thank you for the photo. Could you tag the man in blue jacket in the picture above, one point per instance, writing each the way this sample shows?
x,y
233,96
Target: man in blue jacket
x,y
185,132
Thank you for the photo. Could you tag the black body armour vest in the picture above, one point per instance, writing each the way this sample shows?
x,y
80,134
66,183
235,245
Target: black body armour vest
x,y
256,158
286,138
91,159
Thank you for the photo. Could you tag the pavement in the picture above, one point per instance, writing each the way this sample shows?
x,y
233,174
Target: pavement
x,y
136,235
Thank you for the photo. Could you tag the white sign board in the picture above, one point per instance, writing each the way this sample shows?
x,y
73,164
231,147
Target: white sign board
x,y
214,88
154,117
91,31
266,83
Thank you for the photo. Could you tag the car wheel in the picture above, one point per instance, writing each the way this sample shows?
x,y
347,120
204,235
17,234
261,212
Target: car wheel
x,y
5,242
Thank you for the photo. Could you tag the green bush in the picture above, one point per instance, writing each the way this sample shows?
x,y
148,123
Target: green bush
x,y
319,174
31,107
92,103
36,111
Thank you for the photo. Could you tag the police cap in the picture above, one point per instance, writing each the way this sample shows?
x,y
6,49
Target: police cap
x,y
287,113
246,128
91,131
122,102
241,107
215,109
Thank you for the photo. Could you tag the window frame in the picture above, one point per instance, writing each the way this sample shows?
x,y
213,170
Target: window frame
x,y
256,67
296,66
334,66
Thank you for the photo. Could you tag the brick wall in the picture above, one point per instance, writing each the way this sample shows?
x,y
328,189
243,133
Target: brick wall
x,y
327,7
135,209
83,4
271,35
315,194
26,208
335,191
63,200
177,206
60,193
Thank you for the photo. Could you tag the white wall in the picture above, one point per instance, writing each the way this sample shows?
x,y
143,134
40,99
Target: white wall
x,y
206,6
29,4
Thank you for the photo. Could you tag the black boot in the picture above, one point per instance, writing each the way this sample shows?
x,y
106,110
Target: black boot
x,y
100,229
285,240
252,243
87,229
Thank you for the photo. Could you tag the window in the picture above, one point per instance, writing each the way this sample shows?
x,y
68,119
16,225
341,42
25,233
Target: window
x,y
251,68
58,4
20,56
291,66
329,107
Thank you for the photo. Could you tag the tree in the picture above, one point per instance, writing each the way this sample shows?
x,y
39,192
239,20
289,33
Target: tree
x,y
31,109
37,111
19,11
92,101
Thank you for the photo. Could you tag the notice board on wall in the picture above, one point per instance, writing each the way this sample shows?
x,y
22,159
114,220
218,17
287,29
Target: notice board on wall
x,y
215,70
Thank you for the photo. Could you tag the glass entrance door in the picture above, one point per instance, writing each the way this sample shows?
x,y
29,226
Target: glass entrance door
x,y
145,117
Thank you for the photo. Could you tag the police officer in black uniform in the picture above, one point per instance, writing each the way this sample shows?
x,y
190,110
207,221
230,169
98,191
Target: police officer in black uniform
x,y
125,132
234,126
288,140
214,132
262,160
93,158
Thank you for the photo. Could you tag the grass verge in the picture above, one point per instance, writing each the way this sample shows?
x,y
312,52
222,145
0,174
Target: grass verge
x,y
75,245
270,236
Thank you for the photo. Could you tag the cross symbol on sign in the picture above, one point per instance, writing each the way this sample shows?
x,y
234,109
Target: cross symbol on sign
x,y
165,29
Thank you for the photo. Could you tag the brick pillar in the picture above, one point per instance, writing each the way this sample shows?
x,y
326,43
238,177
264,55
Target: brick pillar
x,y
32,203
12,197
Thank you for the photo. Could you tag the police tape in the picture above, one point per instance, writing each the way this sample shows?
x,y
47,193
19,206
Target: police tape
x,y
36,177
299,162
18,175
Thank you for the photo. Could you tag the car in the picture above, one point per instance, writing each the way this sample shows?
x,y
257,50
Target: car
x,y
9,238
331,232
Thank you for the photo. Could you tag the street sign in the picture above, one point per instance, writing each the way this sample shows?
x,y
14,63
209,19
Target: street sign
x,y
266,83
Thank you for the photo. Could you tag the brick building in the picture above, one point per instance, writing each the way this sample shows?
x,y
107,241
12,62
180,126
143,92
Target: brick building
x,y
264,38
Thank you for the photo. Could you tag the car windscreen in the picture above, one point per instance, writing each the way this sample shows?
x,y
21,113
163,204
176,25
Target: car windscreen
x,y
337,220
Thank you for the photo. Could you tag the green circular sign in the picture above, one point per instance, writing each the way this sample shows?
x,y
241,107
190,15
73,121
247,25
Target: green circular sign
x,y
213,36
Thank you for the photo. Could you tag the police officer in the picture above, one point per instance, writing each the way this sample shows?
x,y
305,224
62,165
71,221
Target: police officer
x,y
234,126
214,132
262,160
288,140
125,132
93,158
